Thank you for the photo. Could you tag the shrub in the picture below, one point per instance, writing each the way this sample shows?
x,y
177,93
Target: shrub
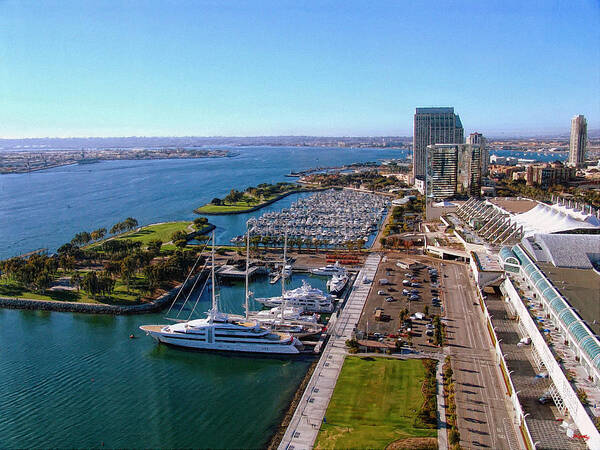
x,y
454,436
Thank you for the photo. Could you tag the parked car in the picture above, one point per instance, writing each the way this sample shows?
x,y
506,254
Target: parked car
x,y
545,399
389,299
380,292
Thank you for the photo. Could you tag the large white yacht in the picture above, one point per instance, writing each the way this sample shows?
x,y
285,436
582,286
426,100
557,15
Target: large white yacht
x,y
337,282
221,332
328,270
305,296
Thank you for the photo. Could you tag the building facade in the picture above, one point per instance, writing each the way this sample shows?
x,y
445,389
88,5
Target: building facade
x,y
453,169
433,126
546,175
578,141
478,138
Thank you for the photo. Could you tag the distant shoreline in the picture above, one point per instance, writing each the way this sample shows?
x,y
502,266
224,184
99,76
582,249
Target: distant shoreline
x,y
20,162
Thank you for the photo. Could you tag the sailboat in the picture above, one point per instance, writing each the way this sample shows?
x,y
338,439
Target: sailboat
x,y
223,332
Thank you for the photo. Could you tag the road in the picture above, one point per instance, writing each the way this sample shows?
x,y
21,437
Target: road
x,y
483,408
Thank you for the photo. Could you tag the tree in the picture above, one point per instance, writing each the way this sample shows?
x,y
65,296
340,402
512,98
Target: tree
x,y
98,234
90,283
200,222
154,246
76,280
130,223
81,238
178,235
180,243
217,201
426,310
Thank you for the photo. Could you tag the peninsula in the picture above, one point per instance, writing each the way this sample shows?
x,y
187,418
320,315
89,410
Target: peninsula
x,y
253,198
30,161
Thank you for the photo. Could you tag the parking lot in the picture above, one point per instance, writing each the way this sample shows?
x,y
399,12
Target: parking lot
x,y
394,289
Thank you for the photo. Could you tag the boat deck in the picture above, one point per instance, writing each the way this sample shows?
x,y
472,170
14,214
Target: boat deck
x,y
156,328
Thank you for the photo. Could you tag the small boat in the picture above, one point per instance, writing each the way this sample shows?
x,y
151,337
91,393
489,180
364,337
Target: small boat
x,y
328,270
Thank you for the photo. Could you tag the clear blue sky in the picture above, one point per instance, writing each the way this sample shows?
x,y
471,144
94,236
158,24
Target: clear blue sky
x,y
155,68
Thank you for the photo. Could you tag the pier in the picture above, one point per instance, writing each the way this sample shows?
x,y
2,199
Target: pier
x,y
306,421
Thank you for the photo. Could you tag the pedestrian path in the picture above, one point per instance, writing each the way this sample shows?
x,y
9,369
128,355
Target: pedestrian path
x,y
306,422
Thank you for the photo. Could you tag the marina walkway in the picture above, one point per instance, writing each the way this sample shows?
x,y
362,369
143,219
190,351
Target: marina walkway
x,y
306,422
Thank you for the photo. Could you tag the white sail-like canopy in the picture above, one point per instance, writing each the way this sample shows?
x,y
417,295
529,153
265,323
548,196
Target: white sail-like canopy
x,y
554,219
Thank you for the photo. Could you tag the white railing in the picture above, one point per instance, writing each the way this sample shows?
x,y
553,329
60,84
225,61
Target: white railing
x,y
568,395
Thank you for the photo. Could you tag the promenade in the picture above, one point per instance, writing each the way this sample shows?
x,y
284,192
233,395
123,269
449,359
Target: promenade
x,y
306,422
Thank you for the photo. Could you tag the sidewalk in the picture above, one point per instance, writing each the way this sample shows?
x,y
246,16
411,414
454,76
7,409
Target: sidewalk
x,y
306,422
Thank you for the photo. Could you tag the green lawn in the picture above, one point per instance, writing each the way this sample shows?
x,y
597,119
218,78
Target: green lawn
x,y
220,209
120,296
162,231
374,404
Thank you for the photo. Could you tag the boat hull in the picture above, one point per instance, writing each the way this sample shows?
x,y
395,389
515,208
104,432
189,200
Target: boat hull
x,y
240,347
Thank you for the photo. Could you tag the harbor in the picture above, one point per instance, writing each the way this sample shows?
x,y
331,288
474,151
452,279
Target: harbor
x,y
330,218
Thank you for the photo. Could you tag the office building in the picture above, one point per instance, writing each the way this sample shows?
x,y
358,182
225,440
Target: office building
x,y
433,126
453,170
578,142
478,138
546,175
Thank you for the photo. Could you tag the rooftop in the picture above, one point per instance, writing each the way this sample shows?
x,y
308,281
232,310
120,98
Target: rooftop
x,y
577,251
581,288
435,110
487,262
514,205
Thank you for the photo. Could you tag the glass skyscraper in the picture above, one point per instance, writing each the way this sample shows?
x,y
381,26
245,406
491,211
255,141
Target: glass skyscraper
x,y
434,126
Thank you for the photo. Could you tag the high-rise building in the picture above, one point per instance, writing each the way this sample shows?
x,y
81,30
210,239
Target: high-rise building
x,y
478,138
453,169
578,141
433,126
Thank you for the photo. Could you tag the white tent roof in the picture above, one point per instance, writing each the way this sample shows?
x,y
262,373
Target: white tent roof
x,y
554,219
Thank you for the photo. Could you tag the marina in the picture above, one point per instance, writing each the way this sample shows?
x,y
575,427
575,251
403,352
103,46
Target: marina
x,y
330,218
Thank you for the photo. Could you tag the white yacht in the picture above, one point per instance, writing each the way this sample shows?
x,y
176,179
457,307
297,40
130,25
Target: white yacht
x,y
221,332
307,297
328,270
287,271
337,282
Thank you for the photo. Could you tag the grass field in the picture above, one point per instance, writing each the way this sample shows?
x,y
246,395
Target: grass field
x,y
120,296
220,209
374,404
161,231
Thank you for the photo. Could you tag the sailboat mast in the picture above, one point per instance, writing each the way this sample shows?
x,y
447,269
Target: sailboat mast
x,y
283,298
247,266
212,278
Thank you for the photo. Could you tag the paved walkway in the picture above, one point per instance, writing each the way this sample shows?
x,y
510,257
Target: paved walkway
x,y
306,422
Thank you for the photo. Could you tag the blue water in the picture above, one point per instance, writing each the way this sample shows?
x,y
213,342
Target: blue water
x,y
45,209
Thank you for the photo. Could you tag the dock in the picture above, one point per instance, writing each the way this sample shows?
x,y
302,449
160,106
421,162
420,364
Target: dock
x,y
304,427
229,271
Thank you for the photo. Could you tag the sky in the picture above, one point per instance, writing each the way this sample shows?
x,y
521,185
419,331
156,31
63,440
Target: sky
x,y
326,68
